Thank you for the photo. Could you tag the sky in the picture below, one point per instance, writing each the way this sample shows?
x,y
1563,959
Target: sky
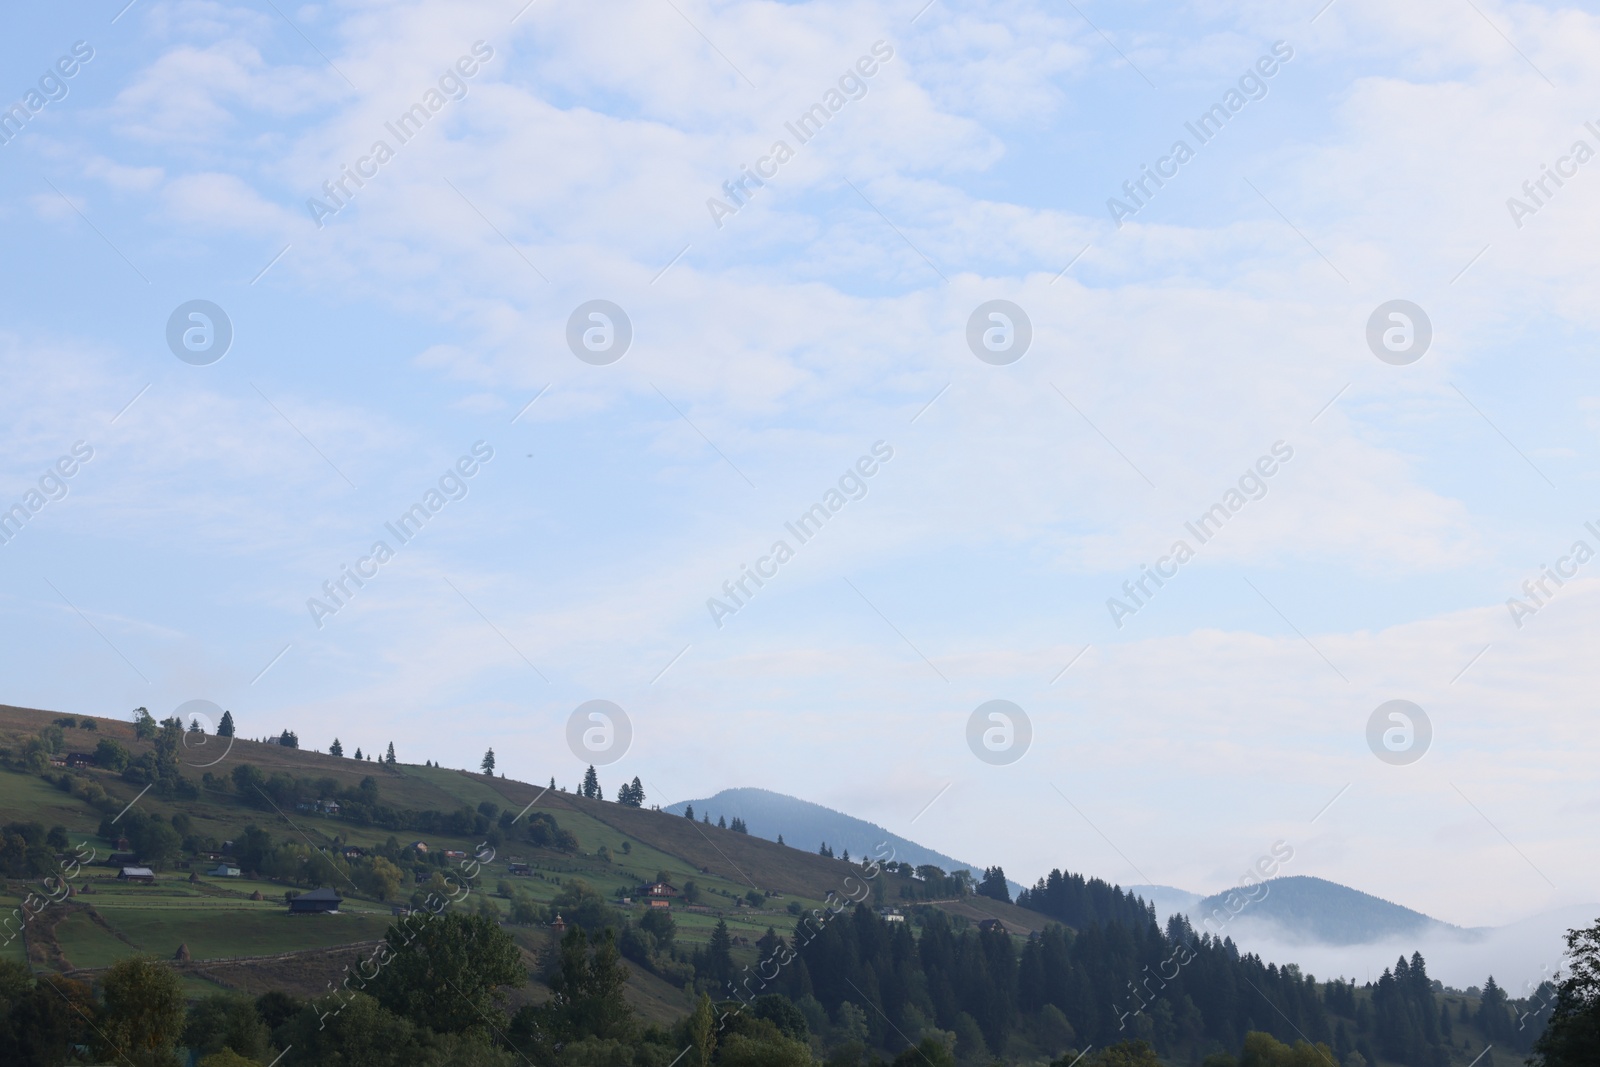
x,y
380,321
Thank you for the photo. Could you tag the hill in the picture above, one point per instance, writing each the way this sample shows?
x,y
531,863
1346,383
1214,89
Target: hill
x,y
806,825
1315,910
236,930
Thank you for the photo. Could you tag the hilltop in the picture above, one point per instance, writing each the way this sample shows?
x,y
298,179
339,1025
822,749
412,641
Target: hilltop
x,y
808,825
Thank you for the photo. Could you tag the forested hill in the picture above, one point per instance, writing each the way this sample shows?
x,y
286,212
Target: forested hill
x,y
1314,909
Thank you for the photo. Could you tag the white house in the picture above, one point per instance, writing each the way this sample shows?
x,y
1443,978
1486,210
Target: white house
x,y
224,870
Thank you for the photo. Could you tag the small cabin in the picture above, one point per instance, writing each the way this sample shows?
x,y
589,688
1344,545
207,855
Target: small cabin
x,y
224,870
80,760
142,875
454,854
354,852
316,902
894,917
658,889
991,926
518,868
560,925
420,846
658,902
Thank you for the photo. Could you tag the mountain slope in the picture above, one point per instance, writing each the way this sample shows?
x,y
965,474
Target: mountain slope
x,y
805,825
1306,909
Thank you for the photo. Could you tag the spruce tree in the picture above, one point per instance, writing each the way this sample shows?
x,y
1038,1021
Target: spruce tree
x,y
389,759
336,749
358,753
225,727
487,765
591,784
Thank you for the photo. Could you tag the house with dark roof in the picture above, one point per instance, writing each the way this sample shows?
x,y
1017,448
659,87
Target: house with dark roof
x,y
80,759
316,902
658,889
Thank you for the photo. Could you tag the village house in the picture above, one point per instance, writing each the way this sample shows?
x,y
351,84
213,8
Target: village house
x,y
316,902
142,875
224,870
80,760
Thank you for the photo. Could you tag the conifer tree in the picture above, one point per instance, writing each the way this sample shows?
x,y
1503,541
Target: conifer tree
x,y
488,763
225,727
336,749
389,759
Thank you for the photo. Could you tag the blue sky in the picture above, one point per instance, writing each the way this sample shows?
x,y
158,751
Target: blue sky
x,y
771,352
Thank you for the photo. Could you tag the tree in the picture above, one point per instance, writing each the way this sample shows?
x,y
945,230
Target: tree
x,y
144,724
227,1021
719,955
1572,1036
225,727
469,955
382,879
722,823
389,759
703,1029
336,749
590,789
994,884
41,1020
226,1058
358,754
588,989
688,812
141,1017
488,763
110,755
195,727
631,794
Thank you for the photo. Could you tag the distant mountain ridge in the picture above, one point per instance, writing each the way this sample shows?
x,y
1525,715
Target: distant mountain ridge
x,y
806,825
1300,910
1315,909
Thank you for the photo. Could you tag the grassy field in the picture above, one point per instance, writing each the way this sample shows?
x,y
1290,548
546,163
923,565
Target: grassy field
x,y
221,933
87,944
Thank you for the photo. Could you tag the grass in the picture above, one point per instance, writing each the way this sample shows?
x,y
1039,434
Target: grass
x,y
88,945
255,930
